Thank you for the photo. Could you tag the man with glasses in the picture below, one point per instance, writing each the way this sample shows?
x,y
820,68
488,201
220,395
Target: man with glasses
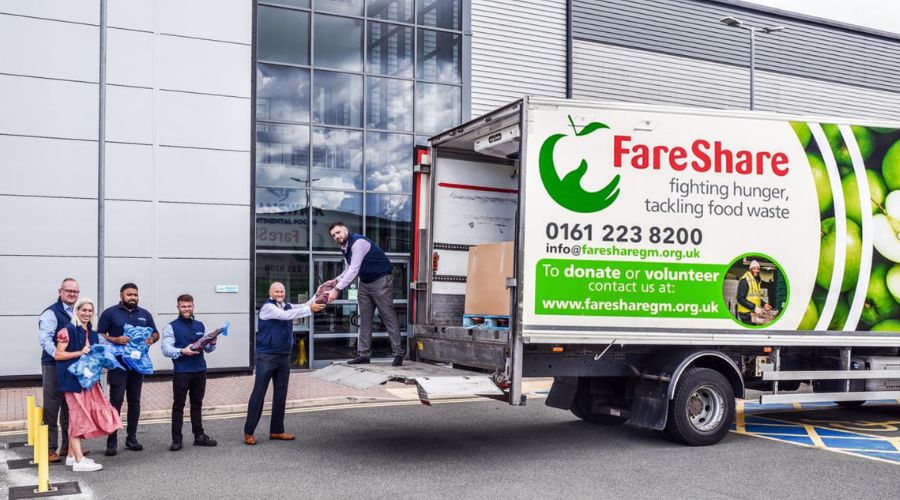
x,y
363,258
54,318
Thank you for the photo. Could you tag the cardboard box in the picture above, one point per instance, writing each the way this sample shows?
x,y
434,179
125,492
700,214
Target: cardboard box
x,y
489,266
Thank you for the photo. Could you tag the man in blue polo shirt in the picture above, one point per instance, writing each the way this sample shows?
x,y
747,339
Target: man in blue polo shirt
x,y
363,258
111,328
54,318
190,371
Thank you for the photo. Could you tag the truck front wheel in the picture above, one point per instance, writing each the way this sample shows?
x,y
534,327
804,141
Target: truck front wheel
x,y
702,410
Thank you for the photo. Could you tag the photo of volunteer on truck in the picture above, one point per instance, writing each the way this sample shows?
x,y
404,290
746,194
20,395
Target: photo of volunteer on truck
x,y
755,291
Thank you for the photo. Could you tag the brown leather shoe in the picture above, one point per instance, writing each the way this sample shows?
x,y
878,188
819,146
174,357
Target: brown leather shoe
x,y
53,458
249,439
284,436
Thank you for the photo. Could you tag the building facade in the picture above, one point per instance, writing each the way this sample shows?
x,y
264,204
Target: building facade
x,y
206,146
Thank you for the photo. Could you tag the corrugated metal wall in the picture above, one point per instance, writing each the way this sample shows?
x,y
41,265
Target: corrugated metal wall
x,y
691,28
614,73
677,52
518,48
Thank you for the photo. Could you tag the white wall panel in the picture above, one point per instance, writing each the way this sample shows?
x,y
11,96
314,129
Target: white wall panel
x,y
48,108
605,72
50,49
129,228
79,11
119,271
129,115
199,278
232,351
30,284
203,66
203,121
130,14
518,48
204,231
21,351
49,167
129,171
48,226
227,20
204,176
129,58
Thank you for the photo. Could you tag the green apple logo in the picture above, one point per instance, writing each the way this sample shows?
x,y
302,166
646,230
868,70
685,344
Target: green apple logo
x,y
568,191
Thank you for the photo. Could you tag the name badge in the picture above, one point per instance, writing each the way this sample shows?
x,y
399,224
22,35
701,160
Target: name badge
x,y
135,355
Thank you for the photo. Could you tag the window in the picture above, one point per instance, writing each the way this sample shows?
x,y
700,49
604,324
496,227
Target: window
x,y
439,56
282,93
333,206
337,158
389,162
291,270
440,13
388,218
282,155
349,7
282,219
389,104
390,49
284,37
391,10
437,107
337,99
338,43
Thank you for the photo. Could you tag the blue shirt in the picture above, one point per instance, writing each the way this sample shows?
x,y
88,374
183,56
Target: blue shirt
x,y
112,321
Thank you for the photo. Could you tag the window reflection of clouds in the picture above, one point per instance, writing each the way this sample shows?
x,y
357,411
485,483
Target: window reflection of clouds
x,y
389,104
388,162
338,43
390,49
439,55
282,154
282,93
282,35
387,221
337,158
437,107
391,10
337,99
333,206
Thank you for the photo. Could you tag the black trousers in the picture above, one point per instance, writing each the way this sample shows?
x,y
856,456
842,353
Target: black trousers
x,y
55,408
745,318
277,368
182,385
124,383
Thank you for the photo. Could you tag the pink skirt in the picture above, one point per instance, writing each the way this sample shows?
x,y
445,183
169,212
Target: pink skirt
x,y
91,415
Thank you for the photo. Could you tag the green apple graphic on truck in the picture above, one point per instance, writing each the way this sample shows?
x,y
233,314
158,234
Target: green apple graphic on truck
x,y
567,191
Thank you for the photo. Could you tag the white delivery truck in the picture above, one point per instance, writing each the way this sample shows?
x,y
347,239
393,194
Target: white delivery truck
x,y
664,260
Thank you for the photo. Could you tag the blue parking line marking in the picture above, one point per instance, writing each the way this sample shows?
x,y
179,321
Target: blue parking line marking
x,y
827,432
892,457
781,429
859,444
793,439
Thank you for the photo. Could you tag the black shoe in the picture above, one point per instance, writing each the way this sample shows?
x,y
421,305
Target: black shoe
x,y
398,361
204,440
359,360
110,450
176,445
132,444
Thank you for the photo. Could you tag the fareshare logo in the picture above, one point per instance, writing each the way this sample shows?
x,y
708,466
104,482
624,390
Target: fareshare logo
x,y
567,191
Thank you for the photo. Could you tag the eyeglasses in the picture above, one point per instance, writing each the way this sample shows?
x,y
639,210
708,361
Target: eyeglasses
x,y
69,291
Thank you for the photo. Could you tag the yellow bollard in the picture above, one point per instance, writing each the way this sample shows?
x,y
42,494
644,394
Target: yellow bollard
x,y
38,422
43,465
29,409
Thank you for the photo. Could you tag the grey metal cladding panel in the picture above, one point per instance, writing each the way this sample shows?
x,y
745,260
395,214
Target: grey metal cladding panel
x,y
690,28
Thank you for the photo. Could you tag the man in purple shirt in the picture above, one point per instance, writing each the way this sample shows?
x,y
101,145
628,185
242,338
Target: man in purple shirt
x,y
363,258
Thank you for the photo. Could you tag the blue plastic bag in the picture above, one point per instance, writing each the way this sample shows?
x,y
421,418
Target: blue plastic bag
x,y
136,351
88,367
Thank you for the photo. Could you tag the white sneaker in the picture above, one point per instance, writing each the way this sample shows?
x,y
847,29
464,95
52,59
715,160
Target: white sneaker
x,y
70,460
86,465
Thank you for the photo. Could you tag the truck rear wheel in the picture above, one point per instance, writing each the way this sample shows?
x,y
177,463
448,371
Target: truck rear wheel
x,y
583,404
702,410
